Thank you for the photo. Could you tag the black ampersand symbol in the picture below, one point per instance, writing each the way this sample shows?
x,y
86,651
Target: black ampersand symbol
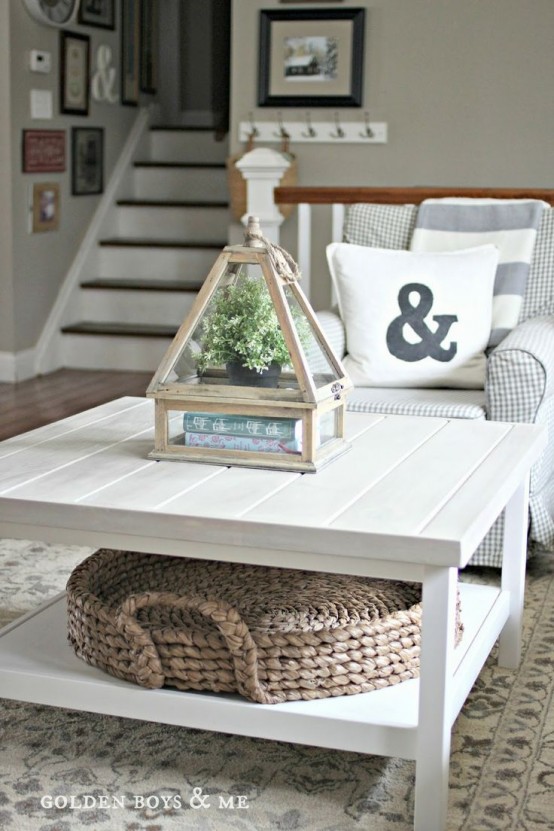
x,y
414,316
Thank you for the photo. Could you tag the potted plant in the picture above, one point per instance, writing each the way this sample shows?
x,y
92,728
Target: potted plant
x,y
242,333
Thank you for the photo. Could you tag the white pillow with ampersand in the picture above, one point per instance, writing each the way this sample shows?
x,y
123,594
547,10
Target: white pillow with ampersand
x,y
414,319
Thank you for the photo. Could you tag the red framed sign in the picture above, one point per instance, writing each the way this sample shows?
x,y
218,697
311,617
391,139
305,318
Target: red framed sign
x,y
43,151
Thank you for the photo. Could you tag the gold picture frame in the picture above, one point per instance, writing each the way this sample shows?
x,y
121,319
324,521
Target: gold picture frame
x,y
46,206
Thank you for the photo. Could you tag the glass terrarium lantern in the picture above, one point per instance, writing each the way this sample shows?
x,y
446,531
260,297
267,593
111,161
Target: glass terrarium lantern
x,y
250,378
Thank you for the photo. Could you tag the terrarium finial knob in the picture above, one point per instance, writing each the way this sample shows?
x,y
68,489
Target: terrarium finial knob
x,y
253,237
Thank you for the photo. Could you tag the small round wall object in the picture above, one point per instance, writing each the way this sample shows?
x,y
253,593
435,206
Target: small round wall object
x,y
52,12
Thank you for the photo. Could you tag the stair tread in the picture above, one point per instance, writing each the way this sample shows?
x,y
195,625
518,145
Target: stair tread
x,y
210,165
142,285
171,203
86,327
161,243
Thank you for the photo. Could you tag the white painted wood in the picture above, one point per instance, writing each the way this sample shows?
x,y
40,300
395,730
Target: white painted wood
x,y
318,500
48,349
163,263
506,465
337,222
123,306
477,645
436,669
134,354
317,132
36,665
180,183
304,246
516,519
414,491
263,170
186,146
17,366
77,482
159,222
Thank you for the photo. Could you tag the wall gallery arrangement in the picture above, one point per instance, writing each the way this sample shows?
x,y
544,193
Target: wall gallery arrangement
x,y
44,150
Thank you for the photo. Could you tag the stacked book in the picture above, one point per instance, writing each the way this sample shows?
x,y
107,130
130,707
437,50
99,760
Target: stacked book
x,y
237,432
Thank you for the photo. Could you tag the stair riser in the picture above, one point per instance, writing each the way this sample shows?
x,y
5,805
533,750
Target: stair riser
x,y
180,183
156,263
108,352
150,307
201,224
186,146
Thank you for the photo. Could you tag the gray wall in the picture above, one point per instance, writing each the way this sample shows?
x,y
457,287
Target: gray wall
x,y
464,85
41,260
6,282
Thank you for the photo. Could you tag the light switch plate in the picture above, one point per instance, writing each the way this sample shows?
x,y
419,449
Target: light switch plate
x,y
41,103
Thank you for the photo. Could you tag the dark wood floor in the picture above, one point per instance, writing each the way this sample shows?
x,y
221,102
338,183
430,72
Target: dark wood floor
x,y
39,401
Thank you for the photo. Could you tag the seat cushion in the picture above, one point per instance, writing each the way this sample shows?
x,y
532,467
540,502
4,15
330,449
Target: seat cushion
x,y
418,402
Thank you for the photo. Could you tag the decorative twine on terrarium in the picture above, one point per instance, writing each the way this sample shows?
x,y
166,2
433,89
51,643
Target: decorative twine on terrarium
x,y
283,263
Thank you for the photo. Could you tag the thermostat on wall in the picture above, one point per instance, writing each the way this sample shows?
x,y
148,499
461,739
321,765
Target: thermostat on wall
x,y
40,61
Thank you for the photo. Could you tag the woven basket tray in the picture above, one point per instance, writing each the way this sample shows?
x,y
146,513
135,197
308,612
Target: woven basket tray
x,y
269,634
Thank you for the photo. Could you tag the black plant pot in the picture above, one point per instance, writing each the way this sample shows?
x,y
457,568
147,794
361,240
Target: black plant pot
x,y
242,376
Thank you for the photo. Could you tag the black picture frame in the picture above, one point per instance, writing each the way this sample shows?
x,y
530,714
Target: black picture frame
x,y
130,51
87,161
74,73
98,13
311,58
149,22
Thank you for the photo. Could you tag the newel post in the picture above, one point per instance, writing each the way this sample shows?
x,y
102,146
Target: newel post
x,y
263,169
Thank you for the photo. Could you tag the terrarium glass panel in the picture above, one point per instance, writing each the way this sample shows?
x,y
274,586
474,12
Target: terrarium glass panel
x,y
215,431
238,339
319,365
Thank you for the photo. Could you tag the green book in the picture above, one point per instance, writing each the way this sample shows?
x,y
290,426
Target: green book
x,y
239,425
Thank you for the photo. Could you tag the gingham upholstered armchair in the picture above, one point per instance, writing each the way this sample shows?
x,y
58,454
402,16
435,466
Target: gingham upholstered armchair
x,y
520,370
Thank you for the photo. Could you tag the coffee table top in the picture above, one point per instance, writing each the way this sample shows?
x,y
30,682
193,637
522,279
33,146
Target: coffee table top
x,y
411,489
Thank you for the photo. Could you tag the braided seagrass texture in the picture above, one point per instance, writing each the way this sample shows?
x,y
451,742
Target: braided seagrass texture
x,y
270,634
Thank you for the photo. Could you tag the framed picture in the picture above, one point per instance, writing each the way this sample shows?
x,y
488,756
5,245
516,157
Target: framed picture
x,y
311,58
43,151
46,206
74,73
130,51
97,13
148,45
87,160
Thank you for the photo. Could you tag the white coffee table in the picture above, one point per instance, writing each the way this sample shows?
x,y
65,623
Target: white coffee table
x,y
410,501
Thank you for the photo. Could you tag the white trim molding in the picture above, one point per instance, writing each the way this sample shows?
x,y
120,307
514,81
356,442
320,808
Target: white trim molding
x,y
48,352
17,366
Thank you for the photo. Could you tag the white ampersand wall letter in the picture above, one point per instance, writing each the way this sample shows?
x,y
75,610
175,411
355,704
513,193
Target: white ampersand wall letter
x,y
103,80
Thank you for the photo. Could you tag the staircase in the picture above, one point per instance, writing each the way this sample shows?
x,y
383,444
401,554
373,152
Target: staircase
x,y
157,246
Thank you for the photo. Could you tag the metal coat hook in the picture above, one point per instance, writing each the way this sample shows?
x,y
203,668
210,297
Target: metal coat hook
x,y
368,132
340,132
311,133
282,134
254,132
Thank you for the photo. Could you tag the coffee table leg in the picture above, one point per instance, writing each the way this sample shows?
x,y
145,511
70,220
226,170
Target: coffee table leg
x,y
514,561
434,724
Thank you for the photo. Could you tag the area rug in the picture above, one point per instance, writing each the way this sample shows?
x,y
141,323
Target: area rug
x,y
64,770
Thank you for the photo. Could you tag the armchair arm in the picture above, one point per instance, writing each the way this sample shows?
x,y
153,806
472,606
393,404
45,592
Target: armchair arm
x,y
333,327
520,372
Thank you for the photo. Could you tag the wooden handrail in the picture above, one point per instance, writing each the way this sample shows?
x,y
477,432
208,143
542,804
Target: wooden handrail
x,y
399,195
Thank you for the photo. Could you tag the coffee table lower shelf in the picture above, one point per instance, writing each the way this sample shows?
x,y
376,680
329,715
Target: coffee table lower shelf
x,y
37,665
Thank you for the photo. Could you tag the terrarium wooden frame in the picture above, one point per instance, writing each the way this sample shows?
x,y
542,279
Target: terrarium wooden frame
x,y
301,399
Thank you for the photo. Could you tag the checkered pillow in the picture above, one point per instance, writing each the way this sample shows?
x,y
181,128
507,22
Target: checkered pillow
x,y
380,226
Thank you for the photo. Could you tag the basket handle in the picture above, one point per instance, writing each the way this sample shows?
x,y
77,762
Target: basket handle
x,y
239,641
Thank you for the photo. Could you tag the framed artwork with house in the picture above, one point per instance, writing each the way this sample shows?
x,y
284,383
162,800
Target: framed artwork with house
x,y
311,58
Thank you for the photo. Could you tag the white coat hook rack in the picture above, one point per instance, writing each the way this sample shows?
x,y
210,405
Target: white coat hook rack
x,y
323,130
309,133
368,132
339,132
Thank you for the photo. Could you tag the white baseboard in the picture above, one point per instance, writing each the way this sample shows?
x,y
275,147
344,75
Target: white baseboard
x,y
17,366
